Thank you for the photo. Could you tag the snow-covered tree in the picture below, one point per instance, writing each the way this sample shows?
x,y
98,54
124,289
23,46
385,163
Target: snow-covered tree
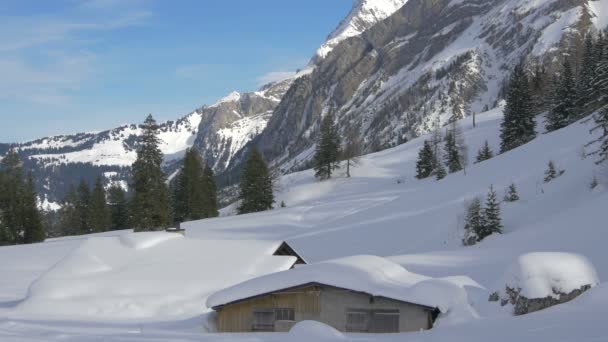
x,y
551,172
491,216
473,222
485,153
440,171
601,124
454,149
511,194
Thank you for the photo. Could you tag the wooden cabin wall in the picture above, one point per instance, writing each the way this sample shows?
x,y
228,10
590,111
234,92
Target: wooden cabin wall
x,y
238,317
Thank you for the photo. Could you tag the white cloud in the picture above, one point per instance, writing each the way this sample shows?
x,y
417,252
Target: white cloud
x,y
275,76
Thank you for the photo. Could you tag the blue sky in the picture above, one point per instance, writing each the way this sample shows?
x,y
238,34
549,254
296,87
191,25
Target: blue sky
x,y
69,66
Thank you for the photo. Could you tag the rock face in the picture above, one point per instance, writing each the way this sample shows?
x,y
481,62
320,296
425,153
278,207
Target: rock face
x,y
432,60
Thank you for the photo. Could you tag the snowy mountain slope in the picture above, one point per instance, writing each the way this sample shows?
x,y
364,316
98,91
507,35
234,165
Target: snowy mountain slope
x,y
384,210
364,14
429,61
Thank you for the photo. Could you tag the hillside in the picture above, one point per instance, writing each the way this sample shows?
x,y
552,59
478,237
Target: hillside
x,y
382,210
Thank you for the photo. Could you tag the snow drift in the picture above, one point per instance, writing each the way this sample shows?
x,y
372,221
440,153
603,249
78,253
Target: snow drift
x,y
145,275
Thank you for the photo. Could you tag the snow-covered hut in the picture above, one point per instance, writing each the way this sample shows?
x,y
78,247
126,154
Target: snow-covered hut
x,y
354,294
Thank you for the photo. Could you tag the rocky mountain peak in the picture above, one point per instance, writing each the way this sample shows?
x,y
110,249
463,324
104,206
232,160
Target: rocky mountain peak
x,y
364,14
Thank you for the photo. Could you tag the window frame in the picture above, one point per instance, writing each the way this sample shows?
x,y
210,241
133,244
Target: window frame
x,y
258,324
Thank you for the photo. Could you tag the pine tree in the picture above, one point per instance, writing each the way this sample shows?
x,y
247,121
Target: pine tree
x,y
491,216
565,109
101,216
512,195
32,219
352,150
440,172
426,157
188,194
11,197
328,149
601,124
518,126
473,222
195,193
599,87
69,218
211,202
119,211
587,73
256,185
151,203
451,154
83,207
485,153
551,172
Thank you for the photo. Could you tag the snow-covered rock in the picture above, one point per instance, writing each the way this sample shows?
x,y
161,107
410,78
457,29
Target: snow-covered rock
x,y
541,279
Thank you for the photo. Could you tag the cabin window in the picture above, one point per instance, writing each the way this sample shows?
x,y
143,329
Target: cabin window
x,y
285,314
263,320
385,321
374,321
357,320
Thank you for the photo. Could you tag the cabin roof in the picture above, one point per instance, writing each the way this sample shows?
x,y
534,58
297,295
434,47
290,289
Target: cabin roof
x,y
371,275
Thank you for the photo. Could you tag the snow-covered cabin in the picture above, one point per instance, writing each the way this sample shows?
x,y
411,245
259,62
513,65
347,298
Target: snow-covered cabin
x,y
354,294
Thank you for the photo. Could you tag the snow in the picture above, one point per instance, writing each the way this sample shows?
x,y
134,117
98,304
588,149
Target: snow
x,y
97,288
153,275
307,331
544,274
373,275
599,8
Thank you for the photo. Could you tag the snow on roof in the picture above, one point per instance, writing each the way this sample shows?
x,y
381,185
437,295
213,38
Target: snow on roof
x,y
541,274
143,275
369,274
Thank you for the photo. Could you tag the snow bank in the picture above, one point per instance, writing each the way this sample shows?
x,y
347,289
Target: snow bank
x,y
147,239
145,275
307,331
369,274
544,274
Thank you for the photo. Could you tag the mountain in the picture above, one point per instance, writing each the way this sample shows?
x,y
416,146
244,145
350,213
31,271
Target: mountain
x,y
432,60
218,131
364,15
